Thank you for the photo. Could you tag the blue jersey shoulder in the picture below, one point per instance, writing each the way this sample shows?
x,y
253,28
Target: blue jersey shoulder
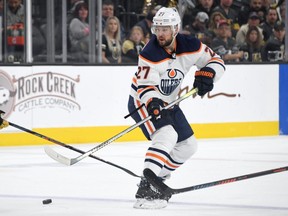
x,y
155,53
187,43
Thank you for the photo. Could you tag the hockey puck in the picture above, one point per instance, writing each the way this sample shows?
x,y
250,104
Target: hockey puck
x,y
47,201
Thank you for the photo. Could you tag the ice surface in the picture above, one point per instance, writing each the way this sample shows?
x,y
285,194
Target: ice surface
x,y
91,187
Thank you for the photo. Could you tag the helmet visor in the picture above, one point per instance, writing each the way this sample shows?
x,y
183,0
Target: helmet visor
x,y
157,29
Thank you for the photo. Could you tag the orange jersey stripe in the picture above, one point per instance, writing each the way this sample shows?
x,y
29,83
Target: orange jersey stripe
x,y
166,59
217,60
148,123
151,62
134,80
139,91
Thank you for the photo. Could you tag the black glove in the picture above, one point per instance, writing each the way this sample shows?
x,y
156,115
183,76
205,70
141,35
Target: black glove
x,y
160,117
204,80
154,107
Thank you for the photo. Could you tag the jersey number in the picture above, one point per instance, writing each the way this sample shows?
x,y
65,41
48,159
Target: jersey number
x,y
143,72
212,54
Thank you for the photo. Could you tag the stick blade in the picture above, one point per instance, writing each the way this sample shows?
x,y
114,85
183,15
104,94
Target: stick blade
x,y
74,160
57,157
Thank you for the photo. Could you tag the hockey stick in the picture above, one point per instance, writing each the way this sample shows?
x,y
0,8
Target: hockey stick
x,y
156,182
70,161
68,146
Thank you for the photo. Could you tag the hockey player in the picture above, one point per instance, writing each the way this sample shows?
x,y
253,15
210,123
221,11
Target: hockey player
x,y
162,66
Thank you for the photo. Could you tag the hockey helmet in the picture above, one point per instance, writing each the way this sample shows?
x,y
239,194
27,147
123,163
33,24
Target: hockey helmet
x,y
167,17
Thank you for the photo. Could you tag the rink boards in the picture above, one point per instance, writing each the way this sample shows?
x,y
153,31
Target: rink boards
x,y
80,104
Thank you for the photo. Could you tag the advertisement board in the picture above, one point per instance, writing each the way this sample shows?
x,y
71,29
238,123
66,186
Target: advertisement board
x,y
79,103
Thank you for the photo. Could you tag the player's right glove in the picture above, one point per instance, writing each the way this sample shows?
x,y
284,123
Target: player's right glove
x,y
204,80
154,107
160,117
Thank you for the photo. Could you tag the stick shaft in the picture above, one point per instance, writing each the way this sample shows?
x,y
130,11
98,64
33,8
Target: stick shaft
x,y
161,186
230,180
96,148
70,147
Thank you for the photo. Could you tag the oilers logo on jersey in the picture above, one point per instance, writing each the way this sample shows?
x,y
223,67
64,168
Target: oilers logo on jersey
x,y
170,81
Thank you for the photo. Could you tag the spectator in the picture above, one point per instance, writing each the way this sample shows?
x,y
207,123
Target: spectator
x,y
253,46
1,8
71,12
198,28
15,12
268,24
254,6
133,46
146,25
149,5
268,3
275,46
274,4
204,6
224,45
44,28
79,33
15,31
108,11
38,40
111,41
254,20
213,22
1,27
282,11
229,13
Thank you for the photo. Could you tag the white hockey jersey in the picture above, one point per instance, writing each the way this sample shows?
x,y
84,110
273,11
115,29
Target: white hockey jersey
x,y
161,73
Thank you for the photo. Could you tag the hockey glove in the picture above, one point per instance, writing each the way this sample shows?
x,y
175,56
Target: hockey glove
x,y
3,123
204,80
160,117
154,107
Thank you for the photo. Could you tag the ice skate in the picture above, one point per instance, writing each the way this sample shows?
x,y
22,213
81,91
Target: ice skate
x,y
149,198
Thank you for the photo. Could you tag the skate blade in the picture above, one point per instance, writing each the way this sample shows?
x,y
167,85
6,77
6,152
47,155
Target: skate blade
x,y
150,204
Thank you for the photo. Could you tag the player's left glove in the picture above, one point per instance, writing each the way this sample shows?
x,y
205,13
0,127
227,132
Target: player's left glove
x,y
204,80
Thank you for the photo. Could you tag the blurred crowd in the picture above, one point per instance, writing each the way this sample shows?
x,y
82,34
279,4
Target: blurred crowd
x,y
238,30
251,32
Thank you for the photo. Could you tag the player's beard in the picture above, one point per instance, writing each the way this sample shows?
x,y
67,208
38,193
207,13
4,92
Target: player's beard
x,y
165,43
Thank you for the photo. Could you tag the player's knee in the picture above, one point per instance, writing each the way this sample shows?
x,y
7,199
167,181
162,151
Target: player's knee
x,y
192,145
165,138
185,149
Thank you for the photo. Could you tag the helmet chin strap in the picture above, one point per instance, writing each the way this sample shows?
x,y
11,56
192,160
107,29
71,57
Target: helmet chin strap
x,y
172,41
